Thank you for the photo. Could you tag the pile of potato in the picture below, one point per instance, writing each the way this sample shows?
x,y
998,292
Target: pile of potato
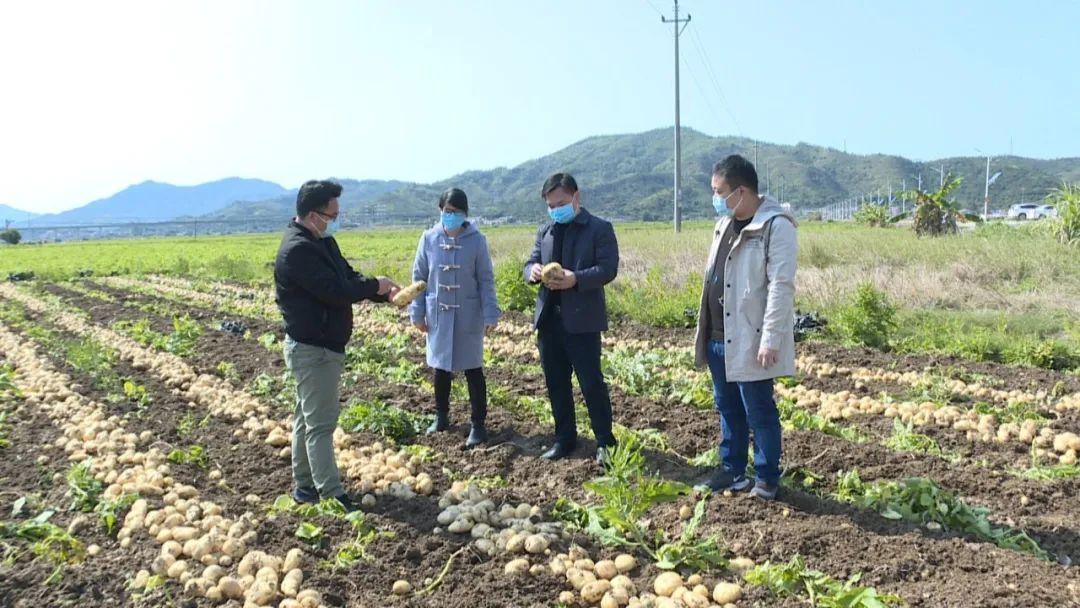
x,y
607,584
379,469
810,366
198,543
976,427
496,529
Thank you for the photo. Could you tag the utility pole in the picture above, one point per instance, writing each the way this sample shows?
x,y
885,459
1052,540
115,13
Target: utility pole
x,y
755,156
986,194
941,176
678,139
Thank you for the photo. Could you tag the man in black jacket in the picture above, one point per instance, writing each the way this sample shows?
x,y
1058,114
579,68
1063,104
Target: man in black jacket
x,y
316,289
571,311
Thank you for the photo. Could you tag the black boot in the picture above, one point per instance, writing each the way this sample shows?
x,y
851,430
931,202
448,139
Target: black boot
x,y
478,405
441,423
442,402
477,435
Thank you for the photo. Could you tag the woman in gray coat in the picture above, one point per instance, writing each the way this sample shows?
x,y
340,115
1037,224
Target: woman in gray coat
x,y
457,309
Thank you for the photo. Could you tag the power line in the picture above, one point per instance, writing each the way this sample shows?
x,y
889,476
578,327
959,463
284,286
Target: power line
x,y
716,82
712,109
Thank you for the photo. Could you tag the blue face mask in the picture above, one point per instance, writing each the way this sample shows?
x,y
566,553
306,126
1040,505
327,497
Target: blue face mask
x,y
563,214
331,227
452,220
719,203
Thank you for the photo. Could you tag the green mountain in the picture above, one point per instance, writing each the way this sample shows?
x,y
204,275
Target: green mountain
x,y
629,177
355,198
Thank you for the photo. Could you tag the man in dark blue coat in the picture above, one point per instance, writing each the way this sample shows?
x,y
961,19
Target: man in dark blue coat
x,y
571,311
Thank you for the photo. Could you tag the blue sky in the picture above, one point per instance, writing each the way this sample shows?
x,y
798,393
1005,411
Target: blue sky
x,y
101,95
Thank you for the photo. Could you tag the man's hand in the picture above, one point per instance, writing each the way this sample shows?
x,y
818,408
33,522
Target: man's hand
x,y
567,281
422,326
387,287
767,357
488,329
534,273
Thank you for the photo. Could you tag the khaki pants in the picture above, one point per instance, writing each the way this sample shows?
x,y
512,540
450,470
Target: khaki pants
x,y
318,375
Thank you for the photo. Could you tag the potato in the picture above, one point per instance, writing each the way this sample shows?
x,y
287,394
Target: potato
x,y
213,573
309,598
290,585
605,569
739,565
625,563
461,526
401,587
516,543
623,582
595,591
230,588
550,272
537,543
261,593
517,566
667,583
176,569
409,293
726,593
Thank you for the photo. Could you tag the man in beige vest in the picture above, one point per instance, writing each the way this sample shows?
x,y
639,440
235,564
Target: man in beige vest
x,y
745,331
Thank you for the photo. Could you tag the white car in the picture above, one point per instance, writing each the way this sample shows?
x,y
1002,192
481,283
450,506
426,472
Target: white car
x,y
1031,211
1048,211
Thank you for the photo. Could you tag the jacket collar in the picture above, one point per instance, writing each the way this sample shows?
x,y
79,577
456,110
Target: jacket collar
x,y
302,230
582,217
770,208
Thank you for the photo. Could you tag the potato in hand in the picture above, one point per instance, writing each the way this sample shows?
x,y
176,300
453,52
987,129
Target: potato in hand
x,y
408,294
551,272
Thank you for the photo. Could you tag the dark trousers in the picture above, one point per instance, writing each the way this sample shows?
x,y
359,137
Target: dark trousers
x,y
477,392
561,354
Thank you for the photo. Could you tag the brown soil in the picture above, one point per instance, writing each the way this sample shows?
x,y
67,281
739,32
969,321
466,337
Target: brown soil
x,y
927,569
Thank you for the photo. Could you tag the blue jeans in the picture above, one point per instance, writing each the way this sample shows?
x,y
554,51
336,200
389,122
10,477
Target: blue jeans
x,y
744,406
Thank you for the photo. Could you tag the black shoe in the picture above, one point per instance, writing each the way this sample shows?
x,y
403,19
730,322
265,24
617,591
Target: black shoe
x,y
603,456
722,481
764,491
557,451
441,423
350,506
305,495
477,435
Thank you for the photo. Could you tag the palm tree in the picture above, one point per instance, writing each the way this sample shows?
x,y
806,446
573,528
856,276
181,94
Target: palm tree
x,y
934,214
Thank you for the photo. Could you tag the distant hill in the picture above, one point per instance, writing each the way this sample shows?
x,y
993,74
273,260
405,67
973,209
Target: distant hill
x,y
625,177
13,215
353,198
630,177
154,201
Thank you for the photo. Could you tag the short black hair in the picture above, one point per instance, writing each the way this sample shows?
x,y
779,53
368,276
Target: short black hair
x,y
737,171
315,194
559,180
456,198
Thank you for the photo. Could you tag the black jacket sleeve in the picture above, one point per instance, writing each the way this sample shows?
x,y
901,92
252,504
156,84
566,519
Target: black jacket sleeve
x,y
607,260
306,267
